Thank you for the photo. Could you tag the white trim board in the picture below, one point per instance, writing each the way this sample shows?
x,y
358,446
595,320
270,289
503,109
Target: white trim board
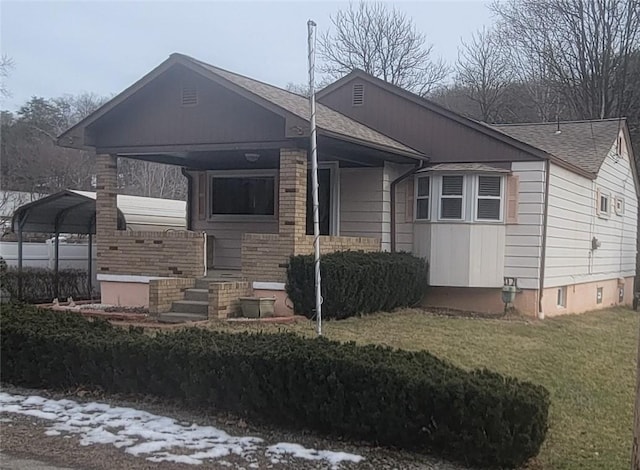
x,y
268,285
128,278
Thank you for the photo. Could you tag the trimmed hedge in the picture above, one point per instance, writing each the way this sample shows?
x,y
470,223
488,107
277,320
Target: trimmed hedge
x,y
411,400
354,282
39,284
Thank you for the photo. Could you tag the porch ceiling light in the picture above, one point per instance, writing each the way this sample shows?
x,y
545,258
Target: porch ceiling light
x,y
252,157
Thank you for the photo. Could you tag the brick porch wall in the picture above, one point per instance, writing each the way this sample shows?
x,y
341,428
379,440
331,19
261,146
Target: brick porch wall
x,y
265,256
162,254
224,298
163,292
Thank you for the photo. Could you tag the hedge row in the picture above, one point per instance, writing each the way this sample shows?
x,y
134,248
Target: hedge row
x,y
39,284
411,400
354,282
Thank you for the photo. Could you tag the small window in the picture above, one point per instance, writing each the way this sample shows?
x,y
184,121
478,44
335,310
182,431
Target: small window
x,y
619,206
189,95
561,299
422,197
246,195
599,295
603,204
451,197
358,94
489,197
619,146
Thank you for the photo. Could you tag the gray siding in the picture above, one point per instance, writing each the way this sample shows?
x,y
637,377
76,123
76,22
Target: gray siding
x,y
524,240
573,222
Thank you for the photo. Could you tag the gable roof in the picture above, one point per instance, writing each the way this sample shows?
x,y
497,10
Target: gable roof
x,y
531,146
585,144
329,122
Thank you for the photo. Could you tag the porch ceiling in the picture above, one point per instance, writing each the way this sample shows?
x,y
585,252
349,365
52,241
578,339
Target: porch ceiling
x,y
349,154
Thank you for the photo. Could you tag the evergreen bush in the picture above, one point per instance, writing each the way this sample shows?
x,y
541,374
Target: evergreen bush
x,y
354,282
410,400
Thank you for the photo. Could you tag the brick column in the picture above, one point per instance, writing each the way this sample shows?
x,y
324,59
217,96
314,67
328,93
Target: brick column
x,y
292,206
106,194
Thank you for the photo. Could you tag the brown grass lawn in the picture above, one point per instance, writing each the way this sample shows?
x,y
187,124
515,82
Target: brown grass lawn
x,y
586,361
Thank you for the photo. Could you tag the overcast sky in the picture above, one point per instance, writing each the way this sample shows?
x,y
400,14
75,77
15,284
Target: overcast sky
x,y
102,47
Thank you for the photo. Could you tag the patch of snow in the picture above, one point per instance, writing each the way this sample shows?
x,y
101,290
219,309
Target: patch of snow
x,y
157,438
296,450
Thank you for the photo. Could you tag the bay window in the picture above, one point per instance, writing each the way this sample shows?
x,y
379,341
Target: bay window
x,y
489,198
452,197
422,197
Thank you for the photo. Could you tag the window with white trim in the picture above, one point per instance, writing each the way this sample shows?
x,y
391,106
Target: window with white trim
x,y
489,198
452,197
619,205
561,299
423,193
603,204
242,195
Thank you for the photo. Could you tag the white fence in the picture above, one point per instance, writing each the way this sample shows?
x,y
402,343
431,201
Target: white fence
x,y
42,255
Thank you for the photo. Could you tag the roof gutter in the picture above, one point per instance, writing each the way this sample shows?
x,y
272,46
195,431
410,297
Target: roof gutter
x,y
392,189
543,250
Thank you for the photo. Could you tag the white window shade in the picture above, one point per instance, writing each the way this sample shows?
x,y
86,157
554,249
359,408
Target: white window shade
x,y
489,198
451,197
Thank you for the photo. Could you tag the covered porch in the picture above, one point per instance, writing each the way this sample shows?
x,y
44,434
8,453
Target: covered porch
x,y
243,146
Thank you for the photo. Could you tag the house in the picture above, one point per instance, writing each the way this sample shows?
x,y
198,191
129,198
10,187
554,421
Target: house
x,y
553,211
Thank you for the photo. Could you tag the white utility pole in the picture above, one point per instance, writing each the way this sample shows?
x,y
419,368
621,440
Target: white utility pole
x,y
311,28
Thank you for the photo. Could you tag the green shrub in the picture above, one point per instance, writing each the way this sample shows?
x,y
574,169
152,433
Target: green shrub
x,y
354,282
39,284
411,400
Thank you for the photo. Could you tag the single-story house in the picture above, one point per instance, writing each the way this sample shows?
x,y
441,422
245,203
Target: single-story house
x,y
550,207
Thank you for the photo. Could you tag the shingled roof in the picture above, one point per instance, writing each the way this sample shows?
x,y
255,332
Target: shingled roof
x,y
298,105
584,144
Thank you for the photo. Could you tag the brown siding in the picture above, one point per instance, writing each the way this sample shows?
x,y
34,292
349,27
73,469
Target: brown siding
x,y
437,136
155,116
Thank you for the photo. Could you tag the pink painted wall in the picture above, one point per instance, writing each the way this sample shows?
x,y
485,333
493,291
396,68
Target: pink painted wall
x,y
283,306
126,294
582,297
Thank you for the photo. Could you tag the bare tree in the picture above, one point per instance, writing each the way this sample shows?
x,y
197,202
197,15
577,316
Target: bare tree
x,y
484,71
383,42
582,47
6,65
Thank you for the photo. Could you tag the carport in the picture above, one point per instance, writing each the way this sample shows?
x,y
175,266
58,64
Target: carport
x,y
67,211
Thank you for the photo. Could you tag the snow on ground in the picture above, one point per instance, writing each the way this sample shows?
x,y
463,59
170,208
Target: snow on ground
x,y
157,438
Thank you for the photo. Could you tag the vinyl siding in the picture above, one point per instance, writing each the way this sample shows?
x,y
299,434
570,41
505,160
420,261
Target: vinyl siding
x,y
524,240
364,204
573,222
404,223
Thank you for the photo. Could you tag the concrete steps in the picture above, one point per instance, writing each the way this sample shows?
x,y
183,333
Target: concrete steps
x,y
196,307
176,317
201,295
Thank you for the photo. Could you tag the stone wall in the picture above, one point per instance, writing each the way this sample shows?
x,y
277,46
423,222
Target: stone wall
x,y
162,254
163,292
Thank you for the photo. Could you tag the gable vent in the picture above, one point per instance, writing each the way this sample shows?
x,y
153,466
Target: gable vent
x,y
189,95
358,94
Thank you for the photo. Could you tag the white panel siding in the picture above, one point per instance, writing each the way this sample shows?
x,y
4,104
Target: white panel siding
x,y
449,260
422,239
573,222
524,239
364,207
486,255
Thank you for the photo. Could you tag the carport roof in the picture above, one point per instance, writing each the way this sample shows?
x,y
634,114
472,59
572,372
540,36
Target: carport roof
x,y
63,212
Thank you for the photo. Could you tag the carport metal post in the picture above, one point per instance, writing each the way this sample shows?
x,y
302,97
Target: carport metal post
x,y
20,260
90,267
57,264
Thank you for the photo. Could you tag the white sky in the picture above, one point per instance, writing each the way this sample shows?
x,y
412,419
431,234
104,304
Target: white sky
x,y
103,47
